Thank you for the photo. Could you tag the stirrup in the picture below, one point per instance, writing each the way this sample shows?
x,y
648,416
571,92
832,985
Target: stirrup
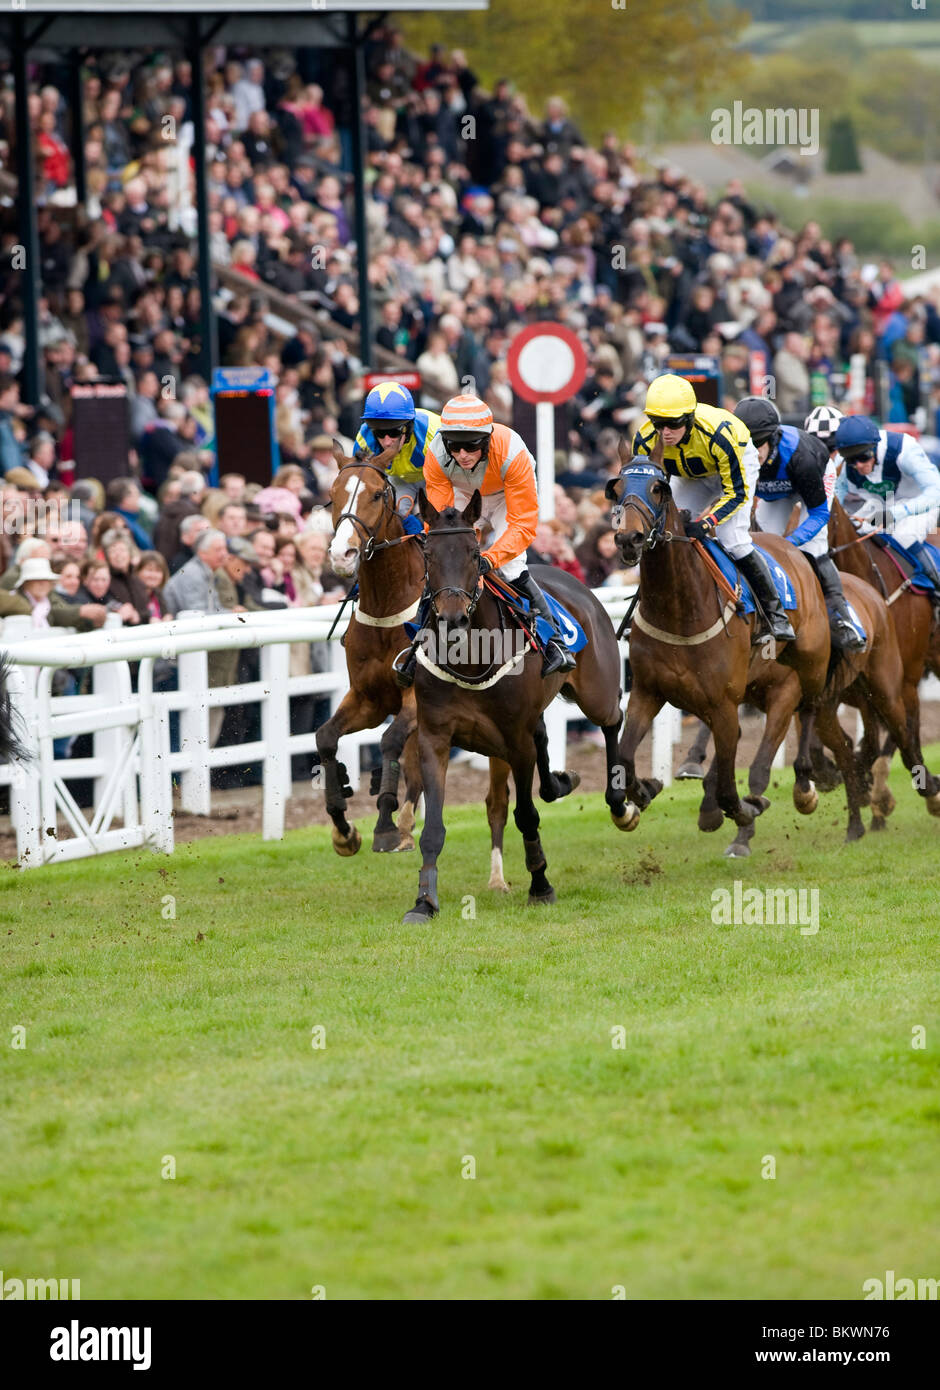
x,y
404,667
557,657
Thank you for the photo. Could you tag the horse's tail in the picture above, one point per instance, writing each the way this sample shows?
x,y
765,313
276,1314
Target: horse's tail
x,y
11,745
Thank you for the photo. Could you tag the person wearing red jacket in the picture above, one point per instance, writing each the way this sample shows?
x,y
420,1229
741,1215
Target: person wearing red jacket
x,y
470,452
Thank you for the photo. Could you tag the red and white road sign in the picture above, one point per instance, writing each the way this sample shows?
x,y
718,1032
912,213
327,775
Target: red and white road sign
x,y
547,365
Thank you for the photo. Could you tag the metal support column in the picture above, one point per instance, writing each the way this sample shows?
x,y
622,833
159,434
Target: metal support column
x,y
30,286
77,112
358,73
207,324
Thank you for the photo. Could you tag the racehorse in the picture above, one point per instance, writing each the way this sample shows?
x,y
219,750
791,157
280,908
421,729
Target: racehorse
x,y
495,707
671,576
690,648
370,541
912,616
11,746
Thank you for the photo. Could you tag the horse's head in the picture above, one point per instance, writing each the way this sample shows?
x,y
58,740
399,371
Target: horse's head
x,y
641,499
363,505
452,559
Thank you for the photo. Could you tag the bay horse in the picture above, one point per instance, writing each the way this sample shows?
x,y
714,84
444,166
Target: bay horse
x,y
912,617
690,648
495,707
670,583
370,542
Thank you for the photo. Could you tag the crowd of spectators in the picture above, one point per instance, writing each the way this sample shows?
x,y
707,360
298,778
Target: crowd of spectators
x,y
482,216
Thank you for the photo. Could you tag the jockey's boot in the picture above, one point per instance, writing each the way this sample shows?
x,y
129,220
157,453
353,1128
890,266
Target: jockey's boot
x,y
925,559
757,575
557,655
406,662
844,634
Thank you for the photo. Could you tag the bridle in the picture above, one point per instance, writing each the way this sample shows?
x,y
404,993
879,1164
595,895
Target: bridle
x,y
472,599
369,536
640,497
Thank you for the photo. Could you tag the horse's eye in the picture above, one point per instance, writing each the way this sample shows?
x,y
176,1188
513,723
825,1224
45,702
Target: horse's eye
x,y
377,496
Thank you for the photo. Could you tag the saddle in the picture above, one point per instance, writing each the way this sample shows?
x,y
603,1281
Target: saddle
x,y
906,562
736,579
519,610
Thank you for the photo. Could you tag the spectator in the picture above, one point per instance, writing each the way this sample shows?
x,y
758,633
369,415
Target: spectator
x,y
152,574
192,588
125,587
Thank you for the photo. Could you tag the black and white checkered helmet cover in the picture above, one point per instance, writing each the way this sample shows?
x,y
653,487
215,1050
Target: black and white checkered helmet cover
x,y
823,422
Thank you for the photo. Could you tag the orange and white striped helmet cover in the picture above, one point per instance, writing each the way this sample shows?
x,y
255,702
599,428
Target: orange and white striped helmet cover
x,y
466,413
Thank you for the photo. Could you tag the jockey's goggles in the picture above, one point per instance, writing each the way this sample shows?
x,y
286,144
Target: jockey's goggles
x,y
860,455
389,429
662,422
453,443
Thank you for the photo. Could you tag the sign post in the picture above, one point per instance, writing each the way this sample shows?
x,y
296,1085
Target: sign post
x,y
547,365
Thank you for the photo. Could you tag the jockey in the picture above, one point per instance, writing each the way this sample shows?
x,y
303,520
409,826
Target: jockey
x,y
389,416
889,480
795,467
710,455
470,452
822,422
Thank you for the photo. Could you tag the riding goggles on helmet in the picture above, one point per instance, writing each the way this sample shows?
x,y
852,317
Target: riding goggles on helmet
x,y
388,429
454,442
663,422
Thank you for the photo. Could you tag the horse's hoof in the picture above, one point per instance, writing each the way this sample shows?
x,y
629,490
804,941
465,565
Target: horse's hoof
x,y
878,823
385,842
806,802
711,820
420,914
933,805
854,832
347,845
405,843
499,885
760,803
737,850
544,900
574,779
630,818
691,772
887,803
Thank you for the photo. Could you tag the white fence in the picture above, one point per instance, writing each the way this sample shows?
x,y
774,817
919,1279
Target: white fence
x,y
131,764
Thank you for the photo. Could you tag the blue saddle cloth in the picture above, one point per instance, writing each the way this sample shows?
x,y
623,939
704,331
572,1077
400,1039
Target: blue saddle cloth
x,y
734,576
919,576
570,629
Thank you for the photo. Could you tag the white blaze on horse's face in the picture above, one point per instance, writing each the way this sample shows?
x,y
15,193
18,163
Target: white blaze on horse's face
x,y
344,550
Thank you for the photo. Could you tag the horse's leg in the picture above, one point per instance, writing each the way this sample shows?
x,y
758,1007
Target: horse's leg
x,y
825,772
613,795
890,706
497,813
552,785
352,714
780,705
840,745
526,817
434,749
641,711
710,815
411,767
805,795
694,765
386,835
726,733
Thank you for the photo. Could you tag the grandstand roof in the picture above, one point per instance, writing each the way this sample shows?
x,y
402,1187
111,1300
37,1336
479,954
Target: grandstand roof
x,y
142,23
